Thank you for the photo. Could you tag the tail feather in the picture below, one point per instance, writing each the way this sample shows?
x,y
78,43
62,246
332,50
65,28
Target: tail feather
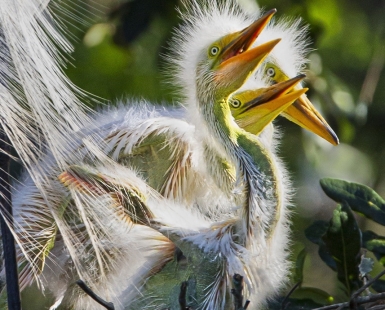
x,y
40,106
42,111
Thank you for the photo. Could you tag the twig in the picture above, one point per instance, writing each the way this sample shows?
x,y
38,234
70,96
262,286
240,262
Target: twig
x,y
247,303
182,296
373,75
359,301
285,300
237,291
378,307
367,284
89,292
9,249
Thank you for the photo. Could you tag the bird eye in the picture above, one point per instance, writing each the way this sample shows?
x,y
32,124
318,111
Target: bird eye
x,y
270,72
235,103
214,50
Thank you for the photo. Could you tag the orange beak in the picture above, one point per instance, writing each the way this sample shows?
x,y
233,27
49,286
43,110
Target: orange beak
x,y
266,104
236,61
244,38
303,113
233,72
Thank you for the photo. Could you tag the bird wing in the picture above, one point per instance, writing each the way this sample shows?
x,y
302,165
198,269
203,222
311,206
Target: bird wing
x,y
162,147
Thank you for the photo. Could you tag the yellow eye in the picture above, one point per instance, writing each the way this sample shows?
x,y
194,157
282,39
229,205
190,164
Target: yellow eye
x,y
270,72
214,50
235,103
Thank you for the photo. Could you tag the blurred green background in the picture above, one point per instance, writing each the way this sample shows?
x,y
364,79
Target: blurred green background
x,y
117,56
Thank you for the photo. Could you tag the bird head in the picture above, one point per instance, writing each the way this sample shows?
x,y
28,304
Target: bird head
x,y
211,50
254,109
285,61
226,75
227,62
302,111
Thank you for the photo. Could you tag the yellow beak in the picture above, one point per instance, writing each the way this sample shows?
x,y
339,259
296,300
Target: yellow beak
x,y
242,40
264,105
236,61
232,73
303,113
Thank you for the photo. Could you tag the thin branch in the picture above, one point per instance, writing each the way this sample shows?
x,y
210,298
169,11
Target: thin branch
x,y
373,75
182,295
247,303
378,307
9,249
237,291
285,300
367,284
359,301
89,292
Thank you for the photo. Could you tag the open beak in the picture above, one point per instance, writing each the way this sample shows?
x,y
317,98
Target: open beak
x,y
236,61
233,72
303,113
244,39
266,104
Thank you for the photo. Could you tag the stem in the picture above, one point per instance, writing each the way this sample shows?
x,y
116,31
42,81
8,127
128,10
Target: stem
x,y
89,292
182,296
369,283
9,249
359,301
286,299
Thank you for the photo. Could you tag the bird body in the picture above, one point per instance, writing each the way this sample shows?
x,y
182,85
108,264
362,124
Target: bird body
x,y
199,233
213,239
196,197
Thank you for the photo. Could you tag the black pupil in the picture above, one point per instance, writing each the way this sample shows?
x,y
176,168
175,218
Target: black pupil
x,y
270,72
214,50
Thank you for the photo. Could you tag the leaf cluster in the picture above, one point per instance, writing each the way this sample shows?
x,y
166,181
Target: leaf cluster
x,y
342,246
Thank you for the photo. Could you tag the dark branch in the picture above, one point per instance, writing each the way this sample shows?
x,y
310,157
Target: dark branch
x,y
89,292
359,301
286,299
182,296
9,249
237,291
367,284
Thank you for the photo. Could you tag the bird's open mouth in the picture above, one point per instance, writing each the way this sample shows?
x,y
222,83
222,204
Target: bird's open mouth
x,y
245,38
274,92
264,105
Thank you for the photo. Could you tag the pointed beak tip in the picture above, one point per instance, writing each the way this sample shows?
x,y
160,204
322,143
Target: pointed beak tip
x,y
331,137
302,76
271,44
335,138
269,14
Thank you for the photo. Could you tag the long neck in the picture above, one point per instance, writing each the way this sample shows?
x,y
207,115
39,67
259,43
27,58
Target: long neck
x,y
255,169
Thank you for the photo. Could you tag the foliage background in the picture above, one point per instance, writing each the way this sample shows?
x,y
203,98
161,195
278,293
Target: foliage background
x,y
117,56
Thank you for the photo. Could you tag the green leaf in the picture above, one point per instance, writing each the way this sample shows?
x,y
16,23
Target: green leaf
x,y
315,294
316,230
326,257
359,197
314,233
298,277
293,304
374,243
343,242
